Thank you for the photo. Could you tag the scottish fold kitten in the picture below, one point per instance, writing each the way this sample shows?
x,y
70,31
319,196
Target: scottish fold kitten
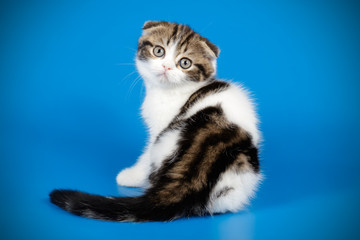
x,y
202,153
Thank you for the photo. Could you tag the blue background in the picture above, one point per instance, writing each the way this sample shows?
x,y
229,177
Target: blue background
x,y
70,96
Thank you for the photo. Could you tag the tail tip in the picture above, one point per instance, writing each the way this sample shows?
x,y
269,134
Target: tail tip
x,y
61,197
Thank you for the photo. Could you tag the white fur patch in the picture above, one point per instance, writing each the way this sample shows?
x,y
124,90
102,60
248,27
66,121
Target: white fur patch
x,y
161,105
137,175
242,187
166,146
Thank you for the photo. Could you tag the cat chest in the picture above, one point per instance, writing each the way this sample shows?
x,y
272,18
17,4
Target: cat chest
x,y
159,110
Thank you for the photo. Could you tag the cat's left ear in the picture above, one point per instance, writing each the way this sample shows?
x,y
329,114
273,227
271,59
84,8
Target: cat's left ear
x,y
214,50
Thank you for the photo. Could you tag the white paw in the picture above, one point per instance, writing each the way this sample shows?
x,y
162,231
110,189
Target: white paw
x,y
131,177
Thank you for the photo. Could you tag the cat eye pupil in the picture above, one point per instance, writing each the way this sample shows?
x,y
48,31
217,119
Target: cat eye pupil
x,y
185,63
159,51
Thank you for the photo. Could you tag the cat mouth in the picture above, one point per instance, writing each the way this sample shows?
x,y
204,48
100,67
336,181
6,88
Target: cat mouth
x,y
163,76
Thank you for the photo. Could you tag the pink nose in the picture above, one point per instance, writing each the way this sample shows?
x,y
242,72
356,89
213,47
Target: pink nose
x,y
165,67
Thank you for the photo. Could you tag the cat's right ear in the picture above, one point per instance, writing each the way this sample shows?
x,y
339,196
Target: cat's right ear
x,y
151,24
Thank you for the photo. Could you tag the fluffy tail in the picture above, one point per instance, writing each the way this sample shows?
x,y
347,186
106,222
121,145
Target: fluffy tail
x,y
121,209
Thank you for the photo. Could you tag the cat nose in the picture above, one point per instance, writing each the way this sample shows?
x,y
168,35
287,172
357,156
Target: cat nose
x,y
166,67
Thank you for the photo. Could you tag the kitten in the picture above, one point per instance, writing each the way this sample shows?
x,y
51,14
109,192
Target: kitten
x,y
202,156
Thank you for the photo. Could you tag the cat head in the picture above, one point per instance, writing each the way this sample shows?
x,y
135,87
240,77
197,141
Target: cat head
x,y
170,54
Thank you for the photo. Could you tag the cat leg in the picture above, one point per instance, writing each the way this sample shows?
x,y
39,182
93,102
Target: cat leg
x,y
137,175
233,191
149,161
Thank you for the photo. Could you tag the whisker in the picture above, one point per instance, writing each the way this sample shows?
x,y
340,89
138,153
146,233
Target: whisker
x,y
127,76
133,84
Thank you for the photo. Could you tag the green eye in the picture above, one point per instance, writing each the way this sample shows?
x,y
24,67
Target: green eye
x,y
159,51
185,63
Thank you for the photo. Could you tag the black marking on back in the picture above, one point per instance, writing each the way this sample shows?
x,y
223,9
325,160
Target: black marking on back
x,y
213,87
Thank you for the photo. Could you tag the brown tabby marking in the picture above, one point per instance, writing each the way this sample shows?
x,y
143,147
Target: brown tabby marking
x,y
191,170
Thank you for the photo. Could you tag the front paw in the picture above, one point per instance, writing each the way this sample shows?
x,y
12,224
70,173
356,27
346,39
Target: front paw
x,y
131,177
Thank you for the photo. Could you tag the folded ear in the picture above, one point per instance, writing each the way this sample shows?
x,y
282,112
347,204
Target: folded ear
x,y
212,47
151,24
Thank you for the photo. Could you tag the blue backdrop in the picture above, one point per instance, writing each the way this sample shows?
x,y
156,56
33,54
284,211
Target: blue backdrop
x,y
70,96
